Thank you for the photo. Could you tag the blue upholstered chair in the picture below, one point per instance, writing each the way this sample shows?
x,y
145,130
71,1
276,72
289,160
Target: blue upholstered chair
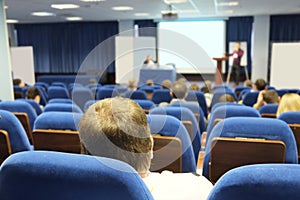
x,y
88,104
259,182
239,89
183,114
292,117
137,94
60,84
228,111
58,92
196,109
250,98
42,84
253,127
218,93
145,104
17,135
200,98
221,104
106,92
60,100
62,107
166,125
55,175
282,92
161,95
80,95
268,109
43,94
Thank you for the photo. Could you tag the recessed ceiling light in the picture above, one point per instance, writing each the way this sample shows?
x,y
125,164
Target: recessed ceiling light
x,y
12,21
42,14
5,7
188,11
231,3
175,1
122,8
92,0
228,11
141,14
64,6
73,18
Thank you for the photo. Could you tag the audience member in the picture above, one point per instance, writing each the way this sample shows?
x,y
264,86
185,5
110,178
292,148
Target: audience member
x,y
227,98
194,87
289,102
18,82
149,82
260,84
34,94
207,94
178,91
248,83
117,128
166,84
132,85
266,97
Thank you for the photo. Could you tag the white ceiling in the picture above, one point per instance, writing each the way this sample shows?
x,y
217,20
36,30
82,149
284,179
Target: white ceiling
x,y
193,9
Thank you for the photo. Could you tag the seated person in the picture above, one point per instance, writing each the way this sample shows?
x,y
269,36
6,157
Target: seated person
x,y
118,128
132,85
166,84
289,102
34,94
18,82
227,98
178,91
194,87
208,95
149,82
266,97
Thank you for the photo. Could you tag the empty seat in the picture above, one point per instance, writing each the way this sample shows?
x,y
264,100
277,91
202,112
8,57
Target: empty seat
x,y
80,95
160,95
60,100
250,98
137,94
34,105
5,149
62,107
57,92
106,92
145,104
53,175
268,110
200,98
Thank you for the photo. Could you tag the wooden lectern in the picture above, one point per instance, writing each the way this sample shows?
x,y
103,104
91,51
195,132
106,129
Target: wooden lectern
x,y
219,74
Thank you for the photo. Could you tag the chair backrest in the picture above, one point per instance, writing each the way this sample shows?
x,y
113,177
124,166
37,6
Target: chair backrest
x,y
58,92
5,148
17,135
282,92
55,175
137,94
21,107
106,92
228,111
61,100
145,104
42,84
217,94
200,98
160,95
88,104
183,114
57,131
167,154
238,90
170,126
34,104
220,104
60,84
43,94
80,95
260,182
268,110
253,127
250,98
62,107
229,153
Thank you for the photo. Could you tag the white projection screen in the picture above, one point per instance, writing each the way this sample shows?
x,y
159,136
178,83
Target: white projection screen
x,y
285,65
207,35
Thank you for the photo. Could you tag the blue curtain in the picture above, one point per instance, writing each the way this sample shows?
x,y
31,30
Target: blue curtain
x,y
285,28
62,47
240,29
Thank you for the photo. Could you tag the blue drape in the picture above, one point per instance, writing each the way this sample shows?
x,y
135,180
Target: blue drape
x,y
62,47
285,28
240,29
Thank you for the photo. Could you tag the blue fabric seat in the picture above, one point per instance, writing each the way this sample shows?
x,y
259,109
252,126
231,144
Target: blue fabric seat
x,y
282,92
34,105
61,100
259,182
106,92
43,94
55,175
62,107
60,84
137,94
17,135
220,104
250,98
88,104
183,114
291,117
218,93
58,92
80,95
200,98
166,125
253,127
145,104
161,95
268,109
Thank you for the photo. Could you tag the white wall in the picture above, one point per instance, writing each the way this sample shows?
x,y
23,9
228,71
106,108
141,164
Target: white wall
x,y
5,64
260,47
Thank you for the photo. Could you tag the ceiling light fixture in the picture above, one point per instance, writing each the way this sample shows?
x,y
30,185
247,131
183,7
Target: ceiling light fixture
x,y
73,18
5,7
175,1
231,3
64,6
122,8
92,0
12,21
141,14
42,14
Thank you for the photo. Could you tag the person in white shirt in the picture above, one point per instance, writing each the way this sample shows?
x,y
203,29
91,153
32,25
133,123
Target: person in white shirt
x,y
118,128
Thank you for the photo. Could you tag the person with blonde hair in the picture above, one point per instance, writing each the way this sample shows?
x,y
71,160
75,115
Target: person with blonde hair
x,y
132,85
194,87
288,102
118,128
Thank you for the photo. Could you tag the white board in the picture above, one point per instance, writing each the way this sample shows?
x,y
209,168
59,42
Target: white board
x,y
22,62
285,65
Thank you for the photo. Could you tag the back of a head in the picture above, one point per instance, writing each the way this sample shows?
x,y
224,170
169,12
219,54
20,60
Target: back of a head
x,y
149,82
32,93
179,90
166,84
117,128
248,83
132,84
289,102
271,96
260,84
194,86
227,98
